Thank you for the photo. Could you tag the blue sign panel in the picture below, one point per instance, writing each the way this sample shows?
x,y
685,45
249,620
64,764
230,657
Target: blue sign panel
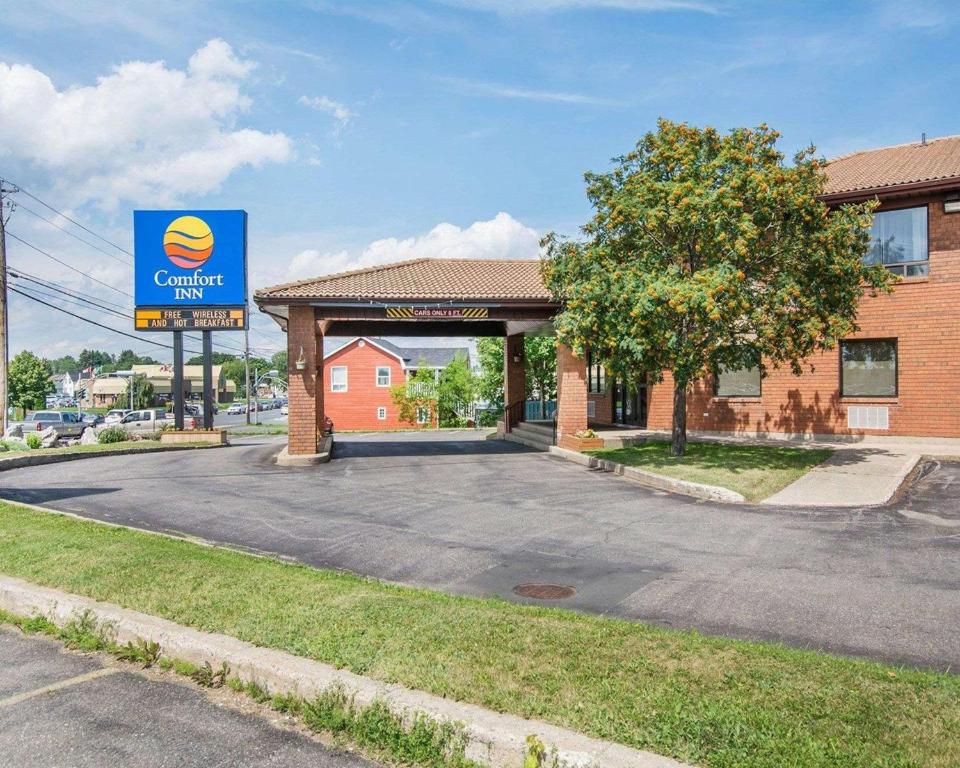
x,y
190,258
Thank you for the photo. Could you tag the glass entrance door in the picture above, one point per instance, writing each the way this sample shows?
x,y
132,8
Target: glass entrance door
x,y
630,403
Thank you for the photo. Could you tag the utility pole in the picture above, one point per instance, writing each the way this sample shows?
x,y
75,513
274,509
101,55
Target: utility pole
x,y
4,327
246,362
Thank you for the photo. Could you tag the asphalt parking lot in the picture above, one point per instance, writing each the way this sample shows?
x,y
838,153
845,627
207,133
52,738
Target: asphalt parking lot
x,y
73,710
455,512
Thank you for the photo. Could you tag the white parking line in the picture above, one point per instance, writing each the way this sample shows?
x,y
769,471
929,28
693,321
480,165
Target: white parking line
x,y
21,697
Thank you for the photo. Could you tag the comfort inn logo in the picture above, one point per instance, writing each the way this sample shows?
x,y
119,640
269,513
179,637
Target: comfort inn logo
x,y
188,243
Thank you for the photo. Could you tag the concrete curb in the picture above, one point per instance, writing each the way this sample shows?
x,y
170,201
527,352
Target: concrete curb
x,y
31,459
652,479
497,739
285,459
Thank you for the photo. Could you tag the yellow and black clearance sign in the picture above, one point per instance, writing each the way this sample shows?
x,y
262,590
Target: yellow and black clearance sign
x,y
438,313
190,318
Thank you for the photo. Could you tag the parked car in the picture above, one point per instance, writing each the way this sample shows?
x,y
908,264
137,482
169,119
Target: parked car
x,y
284,410
151,421
237,408
115,416
65,423
92,419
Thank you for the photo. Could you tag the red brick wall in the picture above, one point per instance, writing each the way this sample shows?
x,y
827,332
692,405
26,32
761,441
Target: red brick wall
x,y
923,314
306,409
602,407
571,392
356,409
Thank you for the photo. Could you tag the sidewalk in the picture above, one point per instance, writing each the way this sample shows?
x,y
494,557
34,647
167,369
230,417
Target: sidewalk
x,y
864,471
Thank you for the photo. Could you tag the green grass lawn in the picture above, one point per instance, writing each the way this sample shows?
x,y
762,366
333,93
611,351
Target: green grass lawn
x,y
709,701
257,429
756,471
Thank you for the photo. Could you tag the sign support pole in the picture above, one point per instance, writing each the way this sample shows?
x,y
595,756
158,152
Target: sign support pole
x,y
178,404
207,380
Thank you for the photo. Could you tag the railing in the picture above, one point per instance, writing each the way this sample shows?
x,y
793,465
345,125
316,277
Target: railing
x,y
513,414
534,412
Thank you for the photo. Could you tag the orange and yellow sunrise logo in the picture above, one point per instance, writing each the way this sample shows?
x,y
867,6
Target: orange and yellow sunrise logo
x,y
188,242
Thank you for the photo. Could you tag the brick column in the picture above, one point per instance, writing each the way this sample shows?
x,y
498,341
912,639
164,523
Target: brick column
x,y
304,387
514,376
571,392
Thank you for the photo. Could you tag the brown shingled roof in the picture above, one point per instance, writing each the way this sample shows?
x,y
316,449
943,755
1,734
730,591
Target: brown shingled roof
x,y
892,167
464,279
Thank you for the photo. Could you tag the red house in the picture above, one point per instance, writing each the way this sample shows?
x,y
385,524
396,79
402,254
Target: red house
x,y
359,376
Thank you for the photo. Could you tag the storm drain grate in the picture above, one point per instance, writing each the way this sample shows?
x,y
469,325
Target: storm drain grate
x,y
544,591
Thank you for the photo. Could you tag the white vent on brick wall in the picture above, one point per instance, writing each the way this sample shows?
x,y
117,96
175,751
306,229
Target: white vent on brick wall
x,y
868,417
591,409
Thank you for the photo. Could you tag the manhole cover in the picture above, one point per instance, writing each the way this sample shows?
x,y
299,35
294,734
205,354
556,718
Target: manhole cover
x,y
544,591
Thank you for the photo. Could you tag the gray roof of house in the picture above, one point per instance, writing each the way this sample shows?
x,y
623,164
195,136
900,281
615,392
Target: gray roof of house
x,y
432,357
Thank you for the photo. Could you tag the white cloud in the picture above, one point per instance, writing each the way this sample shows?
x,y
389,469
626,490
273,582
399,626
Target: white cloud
x,y
145,132
503,91
502,237
341,113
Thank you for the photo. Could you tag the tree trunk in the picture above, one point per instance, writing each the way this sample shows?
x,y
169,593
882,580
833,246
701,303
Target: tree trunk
x,y
678,438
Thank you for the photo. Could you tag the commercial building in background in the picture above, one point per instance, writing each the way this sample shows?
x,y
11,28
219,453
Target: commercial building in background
x,y
106,392
359,377
898,375
161,377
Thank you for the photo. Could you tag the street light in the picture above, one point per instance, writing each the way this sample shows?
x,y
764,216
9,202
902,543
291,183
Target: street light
x,y
129,376
273,373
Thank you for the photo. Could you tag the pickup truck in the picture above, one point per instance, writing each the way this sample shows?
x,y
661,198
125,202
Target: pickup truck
x,y
151,421
66,424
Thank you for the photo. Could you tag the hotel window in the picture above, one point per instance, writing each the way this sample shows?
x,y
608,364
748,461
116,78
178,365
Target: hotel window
x,y
596,376
383,376
381,413
898,240
868,368
338,378
738,382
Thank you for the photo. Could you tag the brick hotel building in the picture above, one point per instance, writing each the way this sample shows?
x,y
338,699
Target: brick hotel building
x,y
898,375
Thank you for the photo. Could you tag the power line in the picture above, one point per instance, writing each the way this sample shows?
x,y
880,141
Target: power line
x,y
103,239
74,235
72,221
76,301
90,299
68,266
94,322
221,344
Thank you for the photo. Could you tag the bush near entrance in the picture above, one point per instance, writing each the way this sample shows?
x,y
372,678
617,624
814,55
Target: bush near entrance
x,y
707,252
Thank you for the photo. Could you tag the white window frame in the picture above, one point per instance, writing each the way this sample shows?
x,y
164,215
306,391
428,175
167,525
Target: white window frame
x,y
334,386
389,375
382,413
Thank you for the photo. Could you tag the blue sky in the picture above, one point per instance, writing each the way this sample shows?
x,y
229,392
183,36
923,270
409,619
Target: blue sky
x,y
355,133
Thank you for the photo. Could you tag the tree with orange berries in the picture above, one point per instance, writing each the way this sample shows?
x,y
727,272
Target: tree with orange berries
x,y
707,252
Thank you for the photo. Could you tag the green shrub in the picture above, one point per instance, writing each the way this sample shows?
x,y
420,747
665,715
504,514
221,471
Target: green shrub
x,y
33,440
112,435
14,444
